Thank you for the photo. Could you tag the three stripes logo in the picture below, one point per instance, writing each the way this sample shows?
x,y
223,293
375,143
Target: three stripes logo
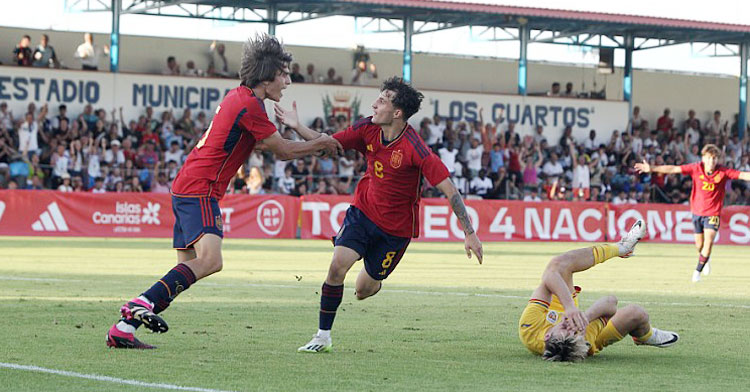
x,y
50,220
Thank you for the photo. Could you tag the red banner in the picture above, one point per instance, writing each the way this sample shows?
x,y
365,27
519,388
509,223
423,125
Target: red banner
x,y
503,220
35,213
319,216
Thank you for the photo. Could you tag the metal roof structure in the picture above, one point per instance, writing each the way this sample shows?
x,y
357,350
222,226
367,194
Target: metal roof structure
x,y
494,23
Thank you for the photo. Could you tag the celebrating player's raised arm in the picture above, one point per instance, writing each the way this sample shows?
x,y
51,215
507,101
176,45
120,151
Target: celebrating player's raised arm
x,y
291,119
471,242
645,167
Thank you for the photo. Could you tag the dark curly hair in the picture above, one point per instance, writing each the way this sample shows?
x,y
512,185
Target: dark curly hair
x,y
407,98
262,57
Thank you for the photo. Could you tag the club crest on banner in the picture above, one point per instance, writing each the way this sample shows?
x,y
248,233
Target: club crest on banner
x,y
342,105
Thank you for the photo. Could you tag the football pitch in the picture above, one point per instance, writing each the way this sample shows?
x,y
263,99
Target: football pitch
x,y
441,322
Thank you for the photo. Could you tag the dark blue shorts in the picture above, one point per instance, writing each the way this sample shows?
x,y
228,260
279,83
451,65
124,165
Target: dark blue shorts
x,y
705,222
380,250
194,216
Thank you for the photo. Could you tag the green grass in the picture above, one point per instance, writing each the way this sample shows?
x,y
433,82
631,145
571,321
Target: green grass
x,y
442,322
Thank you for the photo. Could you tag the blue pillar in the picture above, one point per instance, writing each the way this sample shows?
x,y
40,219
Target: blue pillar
x,y
114,38
273,17
742,120
524,36
627,80
408,33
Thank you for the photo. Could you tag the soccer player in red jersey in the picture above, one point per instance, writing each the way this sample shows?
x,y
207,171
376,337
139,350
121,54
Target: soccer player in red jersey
x,y
239,123
385,215
706,198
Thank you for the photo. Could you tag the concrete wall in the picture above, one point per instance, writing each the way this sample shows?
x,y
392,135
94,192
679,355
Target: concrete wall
x,y
652,90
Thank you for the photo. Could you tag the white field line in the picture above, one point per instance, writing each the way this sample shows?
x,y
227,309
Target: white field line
x,y
97,377
420,292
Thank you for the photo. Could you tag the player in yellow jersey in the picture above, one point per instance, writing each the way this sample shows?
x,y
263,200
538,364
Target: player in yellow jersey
x,y
554,327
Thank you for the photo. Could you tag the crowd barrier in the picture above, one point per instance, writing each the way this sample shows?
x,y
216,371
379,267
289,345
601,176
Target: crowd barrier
x,y
51,213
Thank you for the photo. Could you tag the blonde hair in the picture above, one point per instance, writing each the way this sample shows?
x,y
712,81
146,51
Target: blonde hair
x,y
573,348
711,149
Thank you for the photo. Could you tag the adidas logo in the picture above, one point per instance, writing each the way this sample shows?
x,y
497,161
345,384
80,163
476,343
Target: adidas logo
x,y
50,220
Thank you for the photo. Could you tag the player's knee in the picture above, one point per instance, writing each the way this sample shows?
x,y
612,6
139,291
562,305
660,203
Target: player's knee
x,y
214,264
611,299
337,271
637,313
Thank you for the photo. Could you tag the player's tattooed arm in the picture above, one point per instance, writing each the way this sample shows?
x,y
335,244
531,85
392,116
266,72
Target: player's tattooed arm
x,y
457,204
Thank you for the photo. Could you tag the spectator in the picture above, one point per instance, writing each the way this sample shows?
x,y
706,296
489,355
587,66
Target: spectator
x,y
636,122
555,90
90,53
174,153
362,75
481,184
691,121
161,185
98,186
65,186
45,55
28,135
295,75
474,157
532,195
581,174
553,168
311,76
190,70
496,157
172,67
665,124
448,156
590,144
217,63
332,78
568,90
22,52
6,117
287,183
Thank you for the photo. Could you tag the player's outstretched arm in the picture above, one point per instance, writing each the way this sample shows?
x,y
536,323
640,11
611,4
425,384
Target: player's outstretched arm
x,y
645,167
744,176
471,242
291,119
288,149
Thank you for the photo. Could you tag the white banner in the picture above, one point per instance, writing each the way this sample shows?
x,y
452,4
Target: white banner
x,y
135,92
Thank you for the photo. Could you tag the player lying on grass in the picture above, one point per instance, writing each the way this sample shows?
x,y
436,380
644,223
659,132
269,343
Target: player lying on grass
x,y
706,198
240,122
385,214
554,327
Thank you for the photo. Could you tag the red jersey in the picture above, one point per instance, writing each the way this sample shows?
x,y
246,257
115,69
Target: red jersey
x,y
707,195
388,194
240,122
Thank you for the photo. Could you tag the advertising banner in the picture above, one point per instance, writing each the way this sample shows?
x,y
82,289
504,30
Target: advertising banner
x,y
34,213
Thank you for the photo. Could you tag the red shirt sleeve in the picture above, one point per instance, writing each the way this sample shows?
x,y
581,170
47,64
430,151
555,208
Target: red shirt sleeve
x,y
353,137
256,122
689,169
434,169
731,173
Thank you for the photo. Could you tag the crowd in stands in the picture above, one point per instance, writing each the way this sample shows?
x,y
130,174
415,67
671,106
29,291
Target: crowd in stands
x,y
100,151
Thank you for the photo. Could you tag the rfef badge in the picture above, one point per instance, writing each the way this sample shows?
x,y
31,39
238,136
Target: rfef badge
x,y
396,158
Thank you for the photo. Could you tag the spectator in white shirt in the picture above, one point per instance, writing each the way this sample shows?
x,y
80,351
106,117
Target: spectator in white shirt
x,y
190,69
581,175
65,186
114,156
161,185
90,53
217,62
590,143
98,186
621,198
637,143
448,156
346,164
532,195
474,157
436,128
481,184
172,68
553,168
286,184
28,134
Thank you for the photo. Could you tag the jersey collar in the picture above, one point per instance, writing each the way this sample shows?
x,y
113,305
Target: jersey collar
x,y
394,141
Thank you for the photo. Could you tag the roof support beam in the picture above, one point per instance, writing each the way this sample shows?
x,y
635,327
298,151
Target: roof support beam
x,y
524,34
408,33
627,81
742,120
114,37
